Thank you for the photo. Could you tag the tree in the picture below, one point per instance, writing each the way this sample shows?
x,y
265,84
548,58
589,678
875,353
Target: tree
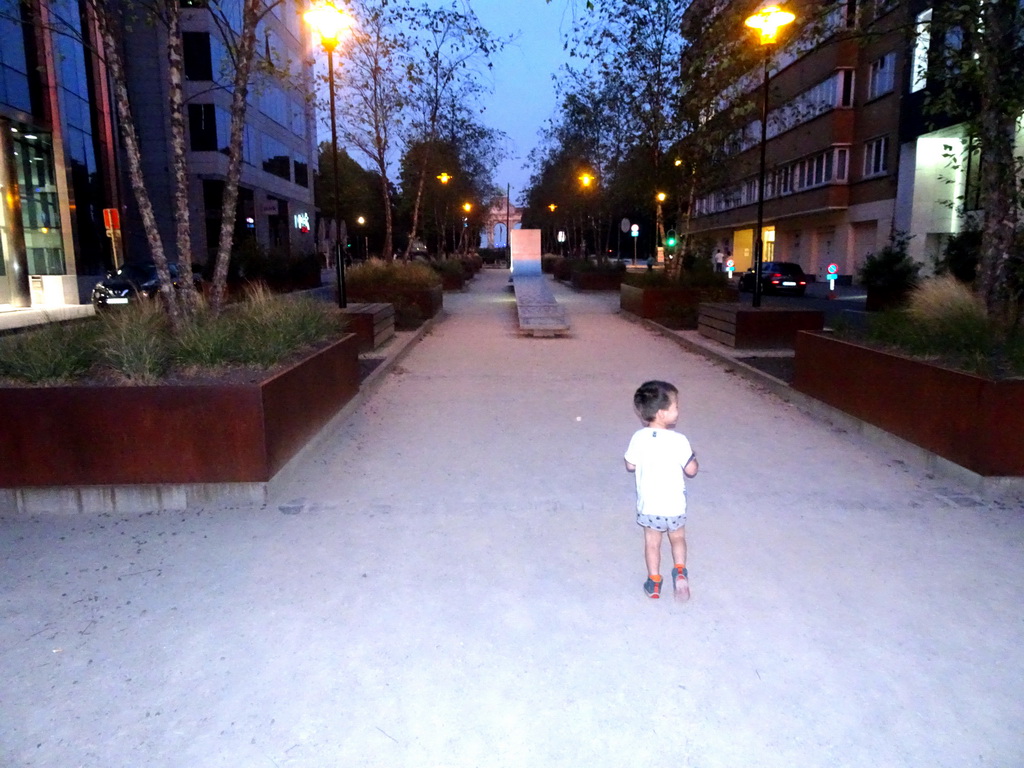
x,y
976,74
448,47
375,95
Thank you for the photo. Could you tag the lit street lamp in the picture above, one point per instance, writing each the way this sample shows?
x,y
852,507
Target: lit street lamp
x,y
329,23
767,21
361,221
659,226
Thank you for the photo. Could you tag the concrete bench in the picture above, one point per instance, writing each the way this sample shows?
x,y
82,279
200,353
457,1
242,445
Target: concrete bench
x,y
373,323
539,313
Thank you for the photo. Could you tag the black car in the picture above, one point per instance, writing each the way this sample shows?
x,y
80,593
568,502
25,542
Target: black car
x,y
131,283
777,277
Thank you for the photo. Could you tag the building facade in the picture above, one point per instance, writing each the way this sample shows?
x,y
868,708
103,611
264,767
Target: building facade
x,y
61,161
834,116
275,204
58,168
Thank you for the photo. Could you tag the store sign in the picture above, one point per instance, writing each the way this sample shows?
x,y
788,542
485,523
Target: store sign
x,y
301,221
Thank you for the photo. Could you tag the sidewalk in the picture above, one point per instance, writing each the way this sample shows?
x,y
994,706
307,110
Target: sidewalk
x,y
453,578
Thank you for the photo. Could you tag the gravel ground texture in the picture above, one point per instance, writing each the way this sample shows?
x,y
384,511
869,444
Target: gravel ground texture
x,y
454,580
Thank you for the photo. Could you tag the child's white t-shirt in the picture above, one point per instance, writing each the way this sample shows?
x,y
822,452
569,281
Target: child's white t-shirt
x,y
659,456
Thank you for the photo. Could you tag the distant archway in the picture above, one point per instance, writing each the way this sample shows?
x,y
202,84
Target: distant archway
x,y
500,216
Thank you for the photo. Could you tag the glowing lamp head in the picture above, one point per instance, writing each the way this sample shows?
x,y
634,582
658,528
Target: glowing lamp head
x,y
444,177
660,197
328,22
552,207
767,22
586,179
467,207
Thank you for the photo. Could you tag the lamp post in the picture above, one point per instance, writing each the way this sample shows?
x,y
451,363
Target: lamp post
x,y
328,22
659,225
587,179
361,221
444,177
767,21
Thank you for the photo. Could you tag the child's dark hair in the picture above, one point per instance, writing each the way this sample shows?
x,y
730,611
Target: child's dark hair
x,y
651,397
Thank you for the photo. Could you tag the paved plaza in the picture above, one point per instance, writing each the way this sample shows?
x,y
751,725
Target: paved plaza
x,y
452,579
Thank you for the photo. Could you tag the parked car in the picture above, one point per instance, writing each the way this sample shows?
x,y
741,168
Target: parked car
x,y
776,277
131,283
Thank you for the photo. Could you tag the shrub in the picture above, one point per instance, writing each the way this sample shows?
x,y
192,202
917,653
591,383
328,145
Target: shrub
x,y
136,345
55,353
891,269
601,265
946,323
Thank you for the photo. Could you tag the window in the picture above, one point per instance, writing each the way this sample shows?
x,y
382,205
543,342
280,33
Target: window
x,y
846,88
882,76
301,171
202,127
922,42
198,60
876,156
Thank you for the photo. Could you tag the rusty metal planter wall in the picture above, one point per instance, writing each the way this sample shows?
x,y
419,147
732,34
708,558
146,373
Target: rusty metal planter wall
x,y
653,303
975,422
109,435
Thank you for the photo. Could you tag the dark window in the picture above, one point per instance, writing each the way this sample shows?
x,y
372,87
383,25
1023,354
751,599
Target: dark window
x,y
198,60
301,173
279,165
202,127
846,99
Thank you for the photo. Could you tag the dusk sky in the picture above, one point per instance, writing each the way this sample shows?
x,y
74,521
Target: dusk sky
x,y
524,92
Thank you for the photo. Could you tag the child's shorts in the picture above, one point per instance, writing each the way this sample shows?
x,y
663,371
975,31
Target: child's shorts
x,y
663,524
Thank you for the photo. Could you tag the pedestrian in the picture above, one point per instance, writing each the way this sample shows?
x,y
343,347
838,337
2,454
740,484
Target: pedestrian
x,y
719,258
660,457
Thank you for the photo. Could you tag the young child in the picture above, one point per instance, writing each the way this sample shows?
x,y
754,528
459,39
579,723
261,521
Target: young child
x,y
660,457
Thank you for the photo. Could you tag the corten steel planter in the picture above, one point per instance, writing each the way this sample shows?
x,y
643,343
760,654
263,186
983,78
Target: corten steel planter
x,y
216,433
453,282
597,281
972,421
655,303
428,300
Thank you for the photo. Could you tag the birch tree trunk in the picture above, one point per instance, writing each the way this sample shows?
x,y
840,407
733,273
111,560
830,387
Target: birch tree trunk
x,y
115,66
182,228
243,66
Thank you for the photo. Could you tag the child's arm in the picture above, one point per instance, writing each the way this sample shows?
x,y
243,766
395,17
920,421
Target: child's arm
x,y
691,466
630,467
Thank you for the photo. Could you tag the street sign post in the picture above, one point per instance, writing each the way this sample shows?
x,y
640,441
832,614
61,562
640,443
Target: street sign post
x,y
833,273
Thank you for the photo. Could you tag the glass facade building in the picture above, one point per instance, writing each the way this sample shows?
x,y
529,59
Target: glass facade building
x,y
56,156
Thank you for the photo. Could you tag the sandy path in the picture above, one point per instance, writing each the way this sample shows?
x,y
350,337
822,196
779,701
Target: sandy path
x,y
460,587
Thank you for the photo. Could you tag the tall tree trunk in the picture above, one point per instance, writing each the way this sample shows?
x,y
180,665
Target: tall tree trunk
x,y
183,233
999,183
416,209
243,66
115,66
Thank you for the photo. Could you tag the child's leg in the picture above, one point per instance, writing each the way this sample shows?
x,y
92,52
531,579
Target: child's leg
x,y
680,585
677,539
652,551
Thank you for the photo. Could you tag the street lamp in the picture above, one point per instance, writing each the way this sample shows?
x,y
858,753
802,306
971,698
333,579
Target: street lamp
x,y
329,23
361,221
659,226
767,21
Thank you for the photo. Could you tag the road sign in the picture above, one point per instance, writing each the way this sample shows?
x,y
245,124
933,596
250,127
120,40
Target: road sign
x,y
730,265
111,218
635,230
833,270
624,226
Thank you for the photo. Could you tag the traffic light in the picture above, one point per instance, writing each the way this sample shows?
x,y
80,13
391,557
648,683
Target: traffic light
x,y
670,239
